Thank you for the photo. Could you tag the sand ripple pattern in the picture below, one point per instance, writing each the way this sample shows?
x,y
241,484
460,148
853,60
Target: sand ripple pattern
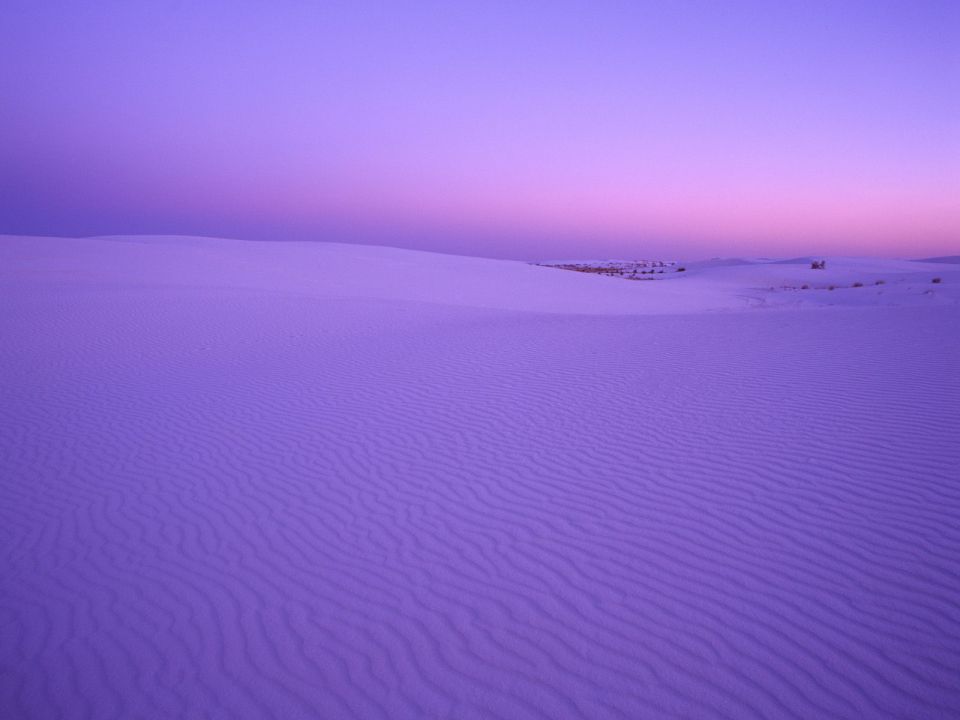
x,y
252,505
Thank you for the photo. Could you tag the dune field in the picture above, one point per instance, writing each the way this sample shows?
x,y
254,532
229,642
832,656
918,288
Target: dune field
x,y
305,480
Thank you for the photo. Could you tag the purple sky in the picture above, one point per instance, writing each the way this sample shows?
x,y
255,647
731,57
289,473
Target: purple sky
x,y
519,129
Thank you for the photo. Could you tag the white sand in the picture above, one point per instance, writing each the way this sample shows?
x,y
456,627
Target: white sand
x,y
254,480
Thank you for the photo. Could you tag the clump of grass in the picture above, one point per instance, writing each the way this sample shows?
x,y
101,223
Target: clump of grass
x,y
858,284
880,282
937,281
804,287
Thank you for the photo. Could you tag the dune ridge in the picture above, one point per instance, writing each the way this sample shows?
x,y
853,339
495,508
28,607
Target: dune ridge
x,y
226,492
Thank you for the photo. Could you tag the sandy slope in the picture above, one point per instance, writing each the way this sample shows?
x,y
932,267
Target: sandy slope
x,y
245,480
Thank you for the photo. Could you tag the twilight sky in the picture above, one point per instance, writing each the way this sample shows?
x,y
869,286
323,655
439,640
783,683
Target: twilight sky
x,y
515,129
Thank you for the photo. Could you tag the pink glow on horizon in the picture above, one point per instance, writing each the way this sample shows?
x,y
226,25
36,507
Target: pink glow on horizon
x,y
509,131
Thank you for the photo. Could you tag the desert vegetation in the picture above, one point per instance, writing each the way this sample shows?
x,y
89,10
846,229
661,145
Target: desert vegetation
x,y
626,269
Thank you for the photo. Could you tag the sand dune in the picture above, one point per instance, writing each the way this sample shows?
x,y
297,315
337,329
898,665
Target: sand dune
x,y
282,480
